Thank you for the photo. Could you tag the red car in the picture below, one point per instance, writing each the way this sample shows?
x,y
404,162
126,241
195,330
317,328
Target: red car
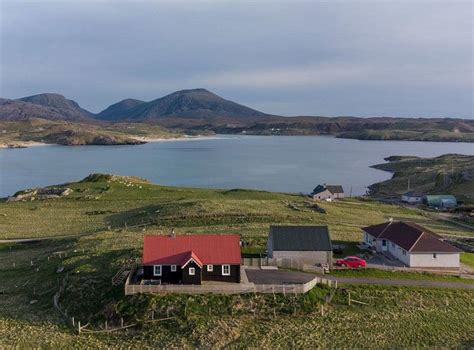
x,y
351,261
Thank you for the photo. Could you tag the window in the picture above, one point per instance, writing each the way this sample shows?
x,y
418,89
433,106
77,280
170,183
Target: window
x,y
192,271
225,270
384,243
210,268
404,252
157,270
434,256
173,268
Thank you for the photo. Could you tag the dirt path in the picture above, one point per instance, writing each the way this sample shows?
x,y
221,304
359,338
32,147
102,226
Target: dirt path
x,y
401,282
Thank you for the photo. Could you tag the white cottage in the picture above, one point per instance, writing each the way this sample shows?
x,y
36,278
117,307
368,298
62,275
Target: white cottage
x,y
413,245
412,197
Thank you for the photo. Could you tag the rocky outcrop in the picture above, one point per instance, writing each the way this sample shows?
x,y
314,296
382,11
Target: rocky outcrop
x,y
40,194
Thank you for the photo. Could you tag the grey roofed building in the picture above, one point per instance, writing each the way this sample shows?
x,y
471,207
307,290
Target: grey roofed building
x,y
309,244
327,192
334,189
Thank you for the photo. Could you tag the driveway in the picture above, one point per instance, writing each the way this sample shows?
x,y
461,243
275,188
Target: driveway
x,y
380,261
400,282
278,276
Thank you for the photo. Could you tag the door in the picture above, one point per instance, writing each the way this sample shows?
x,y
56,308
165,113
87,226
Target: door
x,y
384,245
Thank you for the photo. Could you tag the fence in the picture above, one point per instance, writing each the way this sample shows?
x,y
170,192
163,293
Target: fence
x,y
234,288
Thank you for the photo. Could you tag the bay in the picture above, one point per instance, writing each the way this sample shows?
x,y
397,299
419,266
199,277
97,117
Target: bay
x,y
274,163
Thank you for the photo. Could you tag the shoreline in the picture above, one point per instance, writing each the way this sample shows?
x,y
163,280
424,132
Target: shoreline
x,y
145,140
21,144
170,139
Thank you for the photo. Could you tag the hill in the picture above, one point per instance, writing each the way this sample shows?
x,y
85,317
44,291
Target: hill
x,y
193,104
92,243
449,173
69,109
120,110
22,133
201,111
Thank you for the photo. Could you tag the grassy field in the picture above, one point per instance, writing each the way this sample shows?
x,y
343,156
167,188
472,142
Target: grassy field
x,y
93,240
103,203
467,258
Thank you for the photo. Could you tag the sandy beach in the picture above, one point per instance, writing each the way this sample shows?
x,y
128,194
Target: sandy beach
x,y
22,144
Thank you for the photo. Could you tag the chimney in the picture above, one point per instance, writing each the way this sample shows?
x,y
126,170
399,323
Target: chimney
x,y
390,219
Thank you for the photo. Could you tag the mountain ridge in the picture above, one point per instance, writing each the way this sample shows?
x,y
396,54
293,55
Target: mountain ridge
x,y
199,111
191,103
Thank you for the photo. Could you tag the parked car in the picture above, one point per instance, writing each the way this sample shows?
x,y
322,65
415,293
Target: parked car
x,y
351,261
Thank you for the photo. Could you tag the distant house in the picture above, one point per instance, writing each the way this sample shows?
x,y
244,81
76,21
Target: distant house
x,y
327,192
306,244
442,201
412,197
191,259
412,244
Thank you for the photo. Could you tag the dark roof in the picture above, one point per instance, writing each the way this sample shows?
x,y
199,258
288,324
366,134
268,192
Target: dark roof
x,y
411,237
300,238
335,188
204,249
331,188
413,194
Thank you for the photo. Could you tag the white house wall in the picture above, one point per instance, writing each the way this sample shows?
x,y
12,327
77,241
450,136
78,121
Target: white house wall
x,y
398,253
442,260
307,257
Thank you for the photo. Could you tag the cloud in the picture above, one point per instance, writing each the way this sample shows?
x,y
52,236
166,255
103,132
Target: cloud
x,y
342,57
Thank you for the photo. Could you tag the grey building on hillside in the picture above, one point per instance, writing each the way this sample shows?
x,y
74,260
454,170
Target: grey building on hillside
x,y
306,244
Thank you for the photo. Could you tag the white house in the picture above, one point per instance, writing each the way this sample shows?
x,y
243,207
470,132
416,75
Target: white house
x,y
413,245
412,197
327,192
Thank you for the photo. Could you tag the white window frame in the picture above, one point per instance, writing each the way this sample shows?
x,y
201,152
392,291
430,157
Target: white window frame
x,y
224,273
210,268
173,268
192,271
155,273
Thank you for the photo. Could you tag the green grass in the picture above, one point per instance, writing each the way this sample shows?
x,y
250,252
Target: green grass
x,y
467,258
445,174
119,203
95,253
375,273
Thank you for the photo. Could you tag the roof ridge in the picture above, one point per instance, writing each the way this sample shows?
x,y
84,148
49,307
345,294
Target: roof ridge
x,y
414,244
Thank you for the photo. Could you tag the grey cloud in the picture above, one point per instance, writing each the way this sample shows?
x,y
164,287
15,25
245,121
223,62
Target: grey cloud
x,y
405,58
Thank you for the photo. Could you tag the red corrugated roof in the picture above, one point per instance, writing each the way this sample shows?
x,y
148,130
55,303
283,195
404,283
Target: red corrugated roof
x,y
208,249
189,256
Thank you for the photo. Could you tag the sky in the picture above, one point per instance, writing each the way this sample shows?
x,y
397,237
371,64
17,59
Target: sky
x,y
361,58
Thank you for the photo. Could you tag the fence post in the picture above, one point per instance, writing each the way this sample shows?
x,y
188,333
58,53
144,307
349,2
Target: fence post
x,y
121,322
348,298
106,326
78,327
322,310
72,320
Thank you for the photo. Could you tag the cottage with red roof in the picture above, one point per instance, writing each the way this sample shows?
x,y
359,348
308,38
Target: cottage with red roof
x,y
191,259
412,244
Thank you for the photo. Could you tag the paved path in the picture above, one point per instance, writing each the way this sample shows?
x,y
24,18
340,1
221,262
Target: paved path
x,y
400,282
